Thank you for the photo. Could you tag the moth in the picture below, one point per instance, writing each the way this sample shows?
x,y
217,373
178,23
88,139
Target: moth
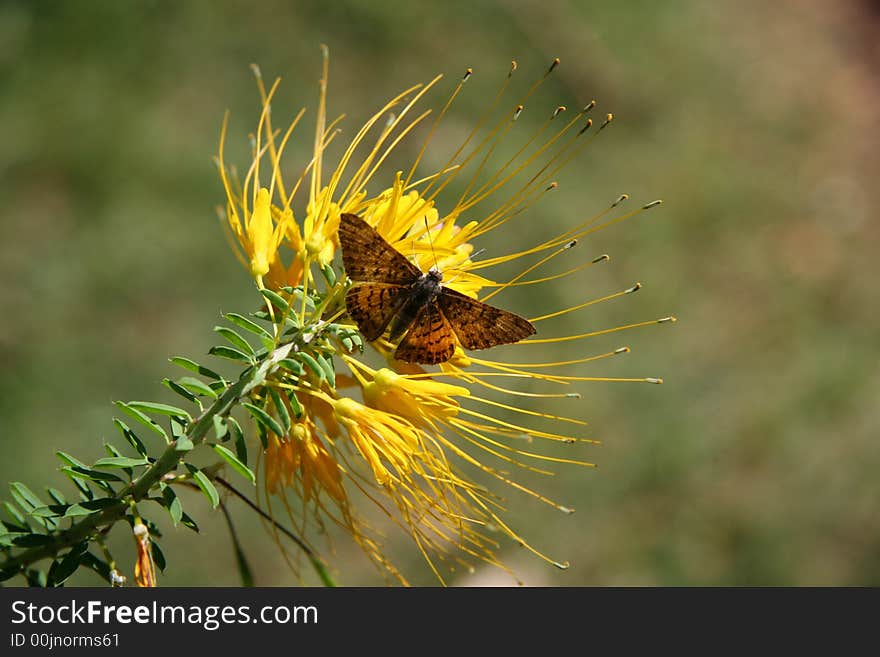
x,y
389,290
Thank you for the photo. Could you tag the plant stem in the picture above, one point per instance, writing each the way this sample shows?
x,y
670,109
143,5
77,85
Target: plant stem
x,y
316,562
140,487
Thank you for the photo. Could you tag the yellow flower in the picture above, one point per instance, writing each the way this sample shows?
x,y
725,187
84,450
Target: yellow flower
x,y
402,432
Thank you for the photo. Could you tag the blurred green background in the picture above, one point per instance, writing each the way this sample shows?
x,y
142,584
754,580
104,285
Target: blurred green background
x,y
755,464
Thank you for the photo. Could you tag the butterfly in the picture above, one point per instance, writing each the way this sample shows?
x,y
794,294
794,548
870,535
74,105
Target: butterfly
x,y
389,290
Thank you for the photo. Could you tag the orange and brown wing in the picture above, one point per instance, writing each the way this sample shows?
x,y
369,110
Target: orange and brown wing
x,y
367,257
479,325
373,305
429,340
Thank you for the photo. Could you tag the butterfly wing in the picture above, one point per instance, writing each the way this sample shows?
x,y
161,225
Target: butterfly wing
x,y
373,305
429,340
367,257
479,325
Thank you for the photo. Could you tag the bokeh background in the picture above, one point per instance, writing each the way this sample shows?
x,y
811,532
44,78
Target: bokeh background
x,y
755,464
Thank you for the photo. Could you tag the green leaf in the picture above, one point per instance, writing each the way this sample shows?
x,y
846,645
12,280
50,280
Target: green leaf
x,y
100,503
238,439
236,465
16,516
161,409
143,419
292,366
205,484
329,275
248,325
235,339
84,491
50,511
244,569
326,363
32,540
115,453
193,366
172,503
35,578
97,565
231,353
90,475
189,523
312,364
69,460
158,556
178,427
220,428
180,390
68,565
280,409
56,495
130,436
295,406
276,300
76,510
197,386
120,462
25,497
183,444
263,435
263,418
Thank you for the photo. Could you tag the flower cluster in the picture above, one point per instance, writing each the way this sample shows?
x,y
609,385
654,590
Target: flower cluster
x,y
421,444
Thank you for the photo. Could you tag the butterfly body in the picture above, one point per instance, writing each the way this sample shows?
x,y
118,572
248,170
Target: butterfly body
x,y
389,290
422,292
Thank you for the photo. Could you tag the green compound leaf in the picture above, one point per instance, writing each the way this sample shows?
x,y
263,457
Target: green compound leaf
x,y
202,481
264,419
236,465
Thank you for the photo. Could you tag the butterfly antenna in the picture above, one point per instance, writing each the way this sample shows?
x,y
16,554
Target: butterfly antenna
x,y
431,242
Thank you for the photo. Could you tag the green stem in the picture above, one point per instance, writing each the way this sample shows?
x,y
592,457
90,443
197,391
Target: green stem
x,y
313,558
140,487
